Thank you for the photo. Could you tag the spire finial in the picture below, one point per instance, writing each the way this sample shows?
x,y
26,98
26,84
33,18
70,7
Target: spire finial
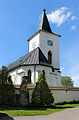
x,y
44,9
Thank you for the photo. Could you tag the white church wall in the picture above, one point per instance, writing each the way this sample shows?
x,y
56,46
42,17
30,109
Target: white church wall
x,y
19,79
26,68
34,41
18,73
58,78
53,79
13,76
44,37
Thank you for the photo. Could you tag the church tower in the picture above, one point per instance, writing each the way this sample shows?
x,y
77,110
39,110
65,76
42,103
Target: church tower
x,y
47,41
43,56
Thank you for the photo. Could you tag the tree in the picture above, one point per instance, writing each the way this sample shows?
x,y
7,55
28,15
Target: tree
x,y
7,90
42,94
66,81
4,76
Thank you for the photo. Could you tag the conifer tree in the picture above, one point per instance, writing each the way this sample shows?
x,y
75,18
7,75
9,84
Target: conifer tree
x,y
42,94
7,90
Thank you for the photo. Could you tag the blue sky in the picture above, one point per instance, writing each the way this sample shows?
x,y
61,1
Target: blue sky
x,y
19,19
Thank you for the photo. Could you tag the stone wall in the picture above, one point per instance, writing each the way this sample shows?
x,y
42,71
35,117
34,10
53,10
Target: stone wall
x,y
62,94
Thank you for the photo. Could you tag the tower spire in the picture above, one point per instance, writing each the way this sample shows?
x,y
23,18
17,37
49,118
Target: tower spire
x,y
44,9
44,24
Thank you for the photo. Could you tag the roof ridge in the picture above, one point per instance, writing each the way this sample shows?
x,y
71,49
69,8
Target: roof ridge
x,y
35,57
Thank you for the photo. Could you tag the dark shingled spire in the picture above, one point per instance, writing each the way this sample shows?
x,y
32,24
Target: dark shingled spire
x,y
44,24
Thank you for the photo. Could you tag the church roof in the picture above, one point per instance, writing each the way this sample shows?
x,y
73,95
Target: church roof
x,y
44,24
35,57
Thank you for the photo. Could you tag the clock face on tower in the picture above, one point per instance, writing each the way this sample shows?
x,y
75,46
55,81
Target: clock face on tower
x,y
34,45
50,43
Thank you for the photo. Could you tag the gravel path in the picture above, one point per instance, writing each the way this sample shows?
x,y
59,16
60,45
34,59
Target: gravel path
x,y
68,114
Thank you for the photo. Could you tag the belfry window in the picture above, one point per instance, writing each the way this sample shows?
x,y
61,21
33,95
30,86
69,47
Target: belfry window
x,y
50,57
29,75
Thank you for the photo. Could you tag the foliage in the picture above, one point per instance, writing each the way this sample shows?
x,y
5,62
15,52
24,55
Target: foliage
x,y
42,94
66,81
7,94
7,91
4,76
33,111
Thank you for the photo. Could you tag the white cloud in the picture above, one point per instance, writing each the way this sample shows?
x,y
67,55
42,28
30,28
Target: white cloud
x,y
72,63
73,27
74,73
62,69
73,18
75,77
76,80
59,16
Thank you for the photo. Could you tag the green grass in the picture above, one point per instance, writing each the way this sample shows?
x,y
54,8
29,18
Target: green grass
x,y
31,111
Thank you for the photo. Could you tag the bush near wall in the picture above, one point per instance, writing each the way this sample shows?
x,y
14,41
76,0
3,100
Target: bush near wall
x,y
41,94
7,94
7,90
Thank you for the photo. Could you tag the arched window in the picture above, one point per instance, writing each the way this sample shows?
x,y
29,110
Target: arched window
x,y
29,75
50,57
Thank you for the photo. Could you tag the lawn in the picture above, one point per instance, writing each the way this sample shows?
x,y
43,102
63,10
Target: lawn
x,y
31,111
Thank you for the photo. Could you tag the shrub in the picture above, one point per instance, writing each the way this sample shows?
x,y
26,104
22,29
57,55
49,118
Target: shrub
x,y
7,90
7,94
42,95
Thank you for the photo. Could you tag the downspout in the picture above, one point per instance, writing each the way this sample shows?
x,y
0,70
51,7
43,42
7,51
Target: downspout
x,y
34,73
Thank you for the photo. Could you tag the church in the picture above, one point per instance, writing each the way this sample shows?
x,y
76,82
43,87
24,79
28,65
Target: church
x,y
43,56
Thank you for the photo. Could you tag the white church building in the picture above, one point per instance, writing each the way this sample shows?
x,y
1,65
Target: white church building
x,y
43,56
